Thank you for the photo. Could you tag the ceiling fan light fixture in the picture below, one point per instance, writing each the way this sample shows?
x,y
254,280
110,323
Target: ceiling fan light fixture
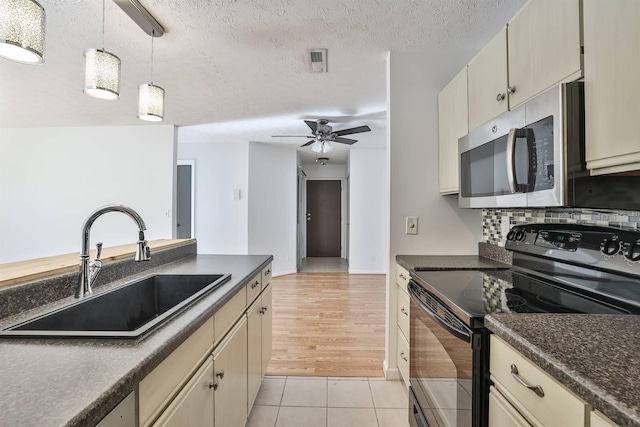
x,y
102,74
150,103
22,31
316,147
328,146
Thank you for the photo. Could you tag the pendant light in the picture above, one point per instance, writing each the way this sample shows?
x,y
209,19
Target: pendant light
x,y
102,71
151,97
22,30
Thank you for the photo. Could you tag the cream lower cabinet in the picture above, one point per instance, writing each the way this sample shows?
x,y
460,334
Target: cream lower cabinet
x,y
230,369
212,378
259,323
193,406
402,321
545,403
612,85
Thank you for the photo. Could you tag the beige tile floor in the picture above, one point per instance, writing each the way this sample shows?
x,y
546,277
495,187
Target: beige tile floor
x,y
324,265
330,402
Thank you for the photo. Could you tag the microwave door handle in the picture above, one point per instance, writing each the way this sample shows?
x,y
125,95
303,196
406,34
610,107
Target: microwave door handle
x,y
511,160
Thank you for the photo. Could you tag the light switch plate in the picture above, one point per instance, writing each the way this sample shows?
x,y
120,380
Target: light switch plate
x,y
411,226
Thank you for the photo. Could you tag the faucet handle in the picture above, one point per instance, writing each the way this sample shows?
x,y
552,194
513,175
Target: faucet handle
x,y
98,250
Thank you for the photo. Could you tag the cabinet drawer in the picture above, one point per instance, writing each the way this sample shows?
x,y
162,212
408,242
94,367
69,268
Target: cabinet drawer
x,y
266,276
253,288
599,420
229,313
403,357
402,276
502,414
158,388
403,312
558,406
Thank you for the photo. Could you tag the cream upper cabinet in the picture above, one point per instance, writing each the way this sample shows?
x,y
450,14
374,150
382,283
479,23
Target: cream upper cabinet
x,y
488,82
453,124
544,47
612,85
230,366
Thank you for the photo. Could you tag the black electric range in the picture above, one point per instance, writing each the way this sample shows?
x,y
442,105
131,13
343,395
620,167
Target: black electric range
x,y
557,268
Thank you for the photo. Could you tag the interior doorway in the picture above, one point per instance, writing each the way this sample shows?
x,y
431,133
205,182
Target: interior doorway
x,y
185,214
324,218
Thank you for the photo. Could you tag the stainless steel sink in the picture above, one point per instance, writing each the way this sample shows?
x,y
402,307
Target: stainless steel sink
x,y
129,311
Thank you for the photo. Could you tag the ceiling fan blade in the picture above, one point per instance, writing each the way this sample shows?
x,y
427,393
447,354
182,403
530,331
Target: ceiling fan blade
x,y
353,130
312,125
292,136
308,143
345,140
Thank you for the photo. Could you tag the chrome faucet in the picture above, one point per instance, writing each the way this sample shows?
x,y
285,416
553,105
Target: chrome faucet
x,y
89,270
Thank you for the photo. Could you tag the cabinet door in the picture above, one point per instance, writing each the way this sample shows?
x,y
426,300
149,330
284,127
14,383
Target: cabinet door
x,y
267,329
254,352
488,82
544,47
502,414
453,124
230,368
612,85
193,406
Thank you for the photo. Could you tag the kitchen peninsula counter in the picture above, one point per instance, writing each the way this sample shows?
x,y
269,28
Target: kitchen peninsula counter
x,y
593,355
67,382
448,262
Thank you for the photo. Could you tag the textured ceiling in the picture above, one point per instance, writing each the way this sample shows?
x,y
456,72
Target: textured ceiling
x,y
237,68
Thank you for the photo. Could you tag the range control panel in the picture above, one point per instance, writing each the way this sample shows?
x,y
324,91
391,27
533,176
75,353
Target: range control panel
x,y
603,247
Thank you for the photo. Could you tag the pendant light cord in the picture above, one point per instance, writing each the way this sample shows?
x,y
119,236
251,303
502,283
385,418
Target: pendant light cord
x,y
153,32
103,9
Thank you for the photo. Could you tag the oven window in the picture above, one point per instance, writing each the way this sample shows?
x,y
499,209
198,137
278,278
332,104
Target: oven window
x,y
440,371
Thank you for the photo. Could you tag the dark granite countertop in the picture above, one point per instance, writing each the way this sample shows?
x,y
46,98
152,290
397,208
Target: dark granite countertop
x,y
596,356
448,262
77,382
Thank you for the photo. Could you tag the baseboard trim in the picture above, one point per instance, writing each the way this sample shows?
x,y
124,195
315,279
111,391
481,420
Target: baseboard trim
x,y
390,373
283,273
367,271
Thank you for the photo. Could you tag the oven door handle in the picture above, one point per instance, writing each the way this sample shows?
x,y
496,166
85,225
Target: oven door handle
x,y
462,334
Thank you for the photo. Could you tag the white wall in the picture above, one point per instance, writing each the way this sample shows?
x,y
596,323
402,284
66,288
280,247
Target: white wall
x,y
272,204
221,223
327,171
368,212
414,80
52,179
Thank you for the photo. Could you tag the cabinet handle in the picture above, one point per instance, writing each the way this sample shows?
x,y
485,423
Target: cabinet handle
x,y
534,388
220,374
500,97
404,311
213,385
511,90
402,276
263,310
253,285
403,356
268,272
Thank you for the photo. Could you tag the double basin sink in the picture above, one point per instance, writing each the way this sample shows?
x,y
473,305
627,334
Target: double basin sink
x,y
126,312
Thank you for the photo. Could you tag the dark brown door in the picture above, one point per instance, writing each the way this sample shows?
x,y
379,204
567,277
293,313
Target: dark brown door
x,y
323,218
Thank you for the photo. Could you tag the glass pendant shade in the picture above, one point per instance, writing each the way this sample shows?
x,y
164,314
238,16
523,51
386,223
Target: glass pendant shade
x,y
328,146
150,103
316,147
22,29
101,74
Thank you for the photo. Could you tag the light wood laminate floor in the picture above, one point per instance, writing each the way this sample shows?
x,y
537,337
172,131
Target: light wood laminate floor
x,y
328,325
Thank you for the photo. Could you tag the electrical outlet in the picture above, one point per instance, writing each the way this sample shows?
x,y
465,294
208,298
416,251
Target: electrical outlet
x,y
411,226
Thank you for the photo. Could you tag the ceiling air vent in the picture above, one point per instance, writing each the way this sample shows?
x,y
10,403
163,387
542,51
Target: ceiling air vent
x,y
318,60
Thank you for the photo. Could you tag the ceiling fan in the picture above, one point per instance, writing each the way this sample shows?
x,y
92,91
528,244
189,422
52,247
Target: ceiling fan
x,y
322,135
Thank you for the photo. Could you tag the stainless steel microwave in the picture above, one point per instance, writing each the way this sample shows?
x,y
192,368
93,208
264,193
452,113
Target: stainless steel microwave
x,y
523,157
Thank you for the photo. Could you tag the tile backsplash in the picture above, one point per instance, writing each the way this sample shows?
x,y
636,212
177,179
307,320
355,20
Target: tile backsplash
x,y
496,222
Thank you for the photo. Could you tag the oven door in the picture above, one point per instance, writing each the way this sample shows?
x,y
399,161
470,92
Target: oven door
x,y
441,364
